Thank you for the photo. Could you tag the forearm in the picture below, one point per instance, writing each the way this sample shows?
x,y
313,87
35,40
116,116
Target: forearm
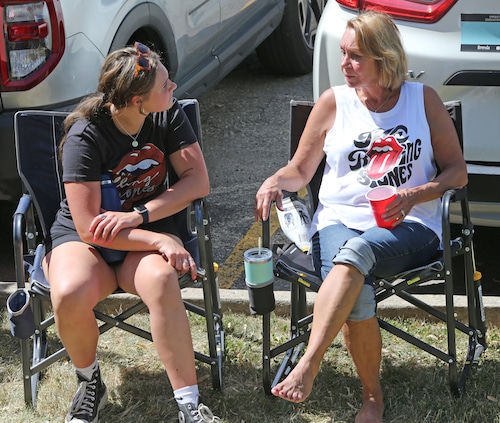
x,y
128,239
177,197
451,178
287,178
290,178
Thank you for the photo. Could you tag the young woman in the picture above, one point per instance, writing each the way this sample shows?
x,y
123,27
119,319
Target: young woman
x,y
377,129
131,129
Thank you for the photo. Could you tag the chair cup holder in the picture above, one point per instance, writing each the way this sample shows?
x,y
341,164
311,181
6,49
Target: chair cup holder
x,y
22,320
261,298
259,278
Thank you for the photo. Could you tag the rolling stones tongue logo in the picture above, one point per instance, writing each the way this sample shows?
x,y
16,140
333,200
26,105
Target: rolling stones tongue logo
x,y
384,156
139,174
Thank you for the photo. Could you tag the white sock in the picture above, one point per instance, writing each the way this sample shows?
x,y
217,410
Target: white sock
x,y
188,394
87,372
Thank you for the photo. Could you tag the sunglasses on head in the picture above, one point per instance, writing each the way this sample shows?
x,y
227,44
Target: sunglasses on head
x,y
143,63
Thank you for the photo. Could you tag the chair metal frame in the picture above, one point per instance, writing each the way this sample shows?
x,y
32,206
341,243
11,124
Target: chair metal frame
x,y
293,266
31,223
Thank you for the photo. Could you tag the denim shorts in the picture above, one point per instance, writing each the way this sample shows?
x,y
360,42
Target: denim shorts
x,y
376,253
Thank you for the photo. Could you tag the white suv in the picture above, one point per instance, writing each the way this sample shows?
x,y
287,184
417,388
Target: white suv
x,y
453,46
51,50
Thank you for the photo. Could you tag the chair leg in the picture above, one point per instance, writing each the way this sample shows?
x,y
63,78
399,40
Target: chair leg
x,y
212,305
292,349
476,329
29,395
476,316
34,352
474,290
266,353
218,370
39,354
215,336
450,328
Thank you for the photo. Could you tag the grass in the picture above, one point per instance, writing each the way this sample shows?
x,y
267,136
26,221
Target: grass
x,y
415,384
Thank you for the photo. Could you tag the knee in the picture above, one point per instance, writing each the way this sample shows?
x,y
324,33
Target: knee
x,y
71,297
357,253
161,284
165,277
365,307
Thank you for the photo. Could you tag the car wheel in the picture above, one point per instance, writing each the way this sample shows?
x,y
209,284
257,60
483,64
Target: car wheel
x,y
289,49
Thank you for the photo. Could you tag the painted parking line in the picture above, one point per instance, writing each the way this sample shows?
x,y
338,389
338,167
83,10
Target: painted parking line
x,y
232,269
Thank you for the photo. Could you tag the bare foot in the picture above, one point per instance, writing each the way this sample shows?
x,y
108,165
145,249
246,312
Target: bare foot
x,y
372,411
297,386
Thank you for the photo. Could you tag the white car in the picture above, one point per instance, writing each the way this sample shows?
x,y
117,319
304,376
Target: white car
x,y
51,50
453,46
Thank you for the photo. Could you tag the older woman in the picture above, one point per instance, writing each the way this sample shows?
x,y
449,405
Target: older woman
x,y
377,129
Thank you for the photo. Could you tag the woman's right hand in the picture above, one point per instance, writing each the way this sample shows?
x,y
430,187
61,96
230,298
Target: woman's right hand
x,y
268,192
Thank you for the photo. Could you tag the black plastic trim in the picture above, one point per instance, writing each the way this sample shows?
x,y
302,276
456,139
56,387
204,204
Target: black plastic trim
x,y
480,188
475,78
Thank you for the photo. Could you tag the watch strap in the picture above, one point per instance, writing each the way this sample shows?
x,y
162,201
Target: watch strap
x,y
143,211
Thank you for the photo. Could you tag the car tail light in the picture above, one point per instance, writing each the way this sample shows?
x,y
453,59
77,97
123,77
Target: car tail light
x,y
33,42
427,11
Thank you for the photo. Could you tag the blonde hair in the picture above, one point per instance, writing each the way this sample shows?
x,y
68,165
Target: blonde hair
x,y
377,37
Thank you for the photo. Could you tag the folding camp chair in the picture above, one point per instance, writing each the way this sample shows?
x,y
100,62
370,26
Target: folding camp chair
x,y
37,135
296,267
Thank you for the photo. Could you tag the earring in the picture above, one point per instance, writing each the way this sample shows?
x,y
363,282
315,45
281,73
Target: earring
x,y
142,111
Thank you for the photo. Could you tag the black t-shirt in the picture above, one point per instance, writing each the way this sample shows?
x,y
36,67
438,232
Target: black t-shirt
x,y
95,147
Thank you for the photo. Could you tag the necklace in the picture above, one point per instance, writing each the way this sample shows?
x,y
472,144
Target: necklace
x,y
383,103
135,143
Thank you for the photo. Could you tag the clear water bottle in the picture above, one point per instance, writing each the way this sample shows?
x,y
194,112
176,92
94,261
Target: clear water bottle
x,y
295,221
110,200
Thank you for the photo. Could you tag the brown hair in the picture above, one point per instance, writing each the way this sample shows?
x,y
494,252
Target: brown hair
x,y
119,80
379,38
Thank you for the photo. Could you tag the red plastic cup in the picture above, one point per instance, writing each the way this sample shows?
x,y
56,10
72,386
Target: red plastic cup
x,y
379,198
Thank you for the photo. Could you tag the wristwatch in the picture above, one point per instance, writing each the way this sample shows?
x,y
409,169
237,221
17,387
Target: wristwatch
x,y
143,211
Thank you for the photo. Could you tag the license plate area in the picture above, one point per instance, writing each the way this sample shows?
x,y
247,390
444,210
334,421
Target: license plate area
x,y
480,33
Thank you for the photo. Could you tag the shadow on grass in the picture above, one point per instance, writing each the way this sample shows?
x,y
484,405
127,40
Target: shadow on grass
x,y
415,386
144,395
418,392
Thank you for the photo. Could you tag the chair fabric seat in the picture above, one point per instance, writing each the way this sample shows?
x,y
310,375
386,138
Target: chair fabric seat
x,y
294,265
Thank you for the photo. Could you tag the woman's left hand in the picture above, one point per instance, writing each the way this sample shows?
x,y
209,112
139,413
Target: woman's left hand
x,y
399,208
172,250
106,225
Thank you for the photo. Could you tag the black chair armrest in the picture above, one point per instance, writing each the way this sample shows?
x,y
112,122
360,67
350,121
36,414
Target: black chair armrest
x,y
38,282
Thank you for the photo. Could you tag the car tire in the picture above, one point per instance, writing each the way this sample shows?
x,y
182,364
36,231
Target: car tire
x,y
289,49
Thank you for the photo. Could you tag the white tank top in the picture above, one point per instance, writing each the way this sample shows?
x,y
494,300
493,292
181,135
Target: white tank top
x,y
366,149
